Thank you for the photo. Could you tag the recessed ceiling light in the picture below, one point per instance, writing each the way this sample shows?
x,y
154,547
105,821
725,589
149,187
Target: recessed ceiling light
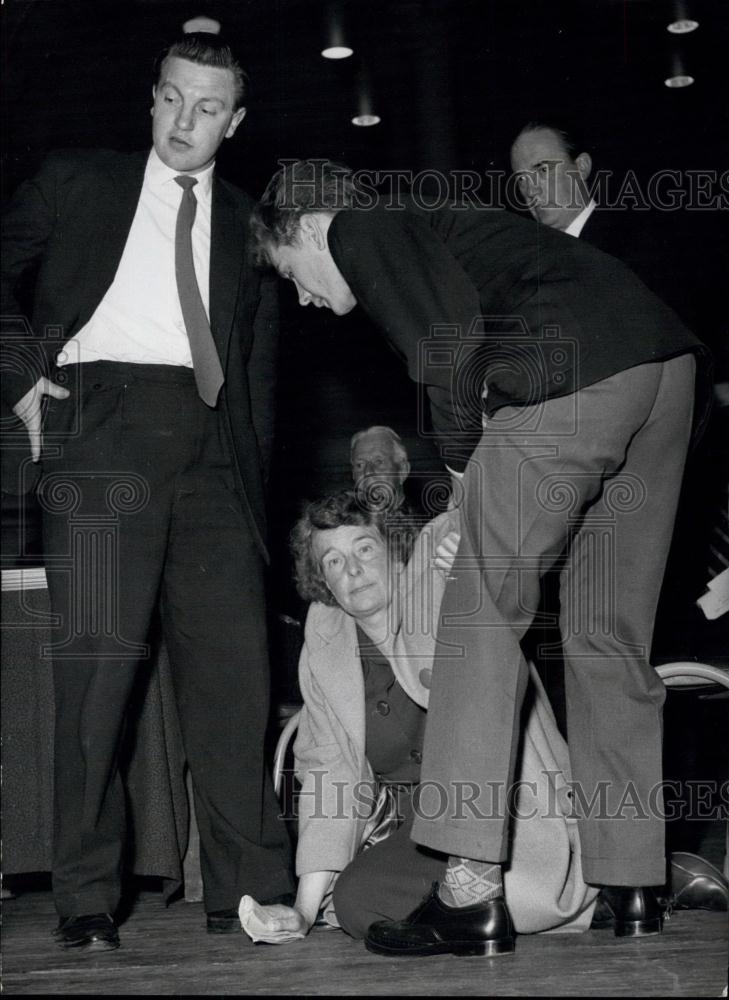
x,y
682,26
679,81
366,120
337,52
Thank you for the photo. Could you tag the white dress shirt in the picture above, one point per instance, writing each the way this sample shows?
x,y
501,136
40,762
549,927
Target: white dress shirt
x,y
578,224
139,319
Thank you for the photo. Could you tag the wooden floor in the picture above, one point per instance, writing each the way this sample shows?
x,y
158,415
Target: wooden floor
x,y
167,952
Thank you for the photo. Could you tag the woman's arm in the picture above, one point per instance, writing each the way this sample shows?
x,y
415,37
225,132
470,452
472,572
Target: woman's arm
x,y
313,887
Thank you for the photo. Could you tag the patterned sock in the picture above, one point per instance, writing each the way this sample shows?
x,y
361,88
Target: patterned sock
x,y
467,882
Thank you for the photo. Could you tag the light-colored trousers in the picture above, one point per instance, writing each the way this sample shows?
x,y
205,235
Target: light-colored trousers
x,y
592,478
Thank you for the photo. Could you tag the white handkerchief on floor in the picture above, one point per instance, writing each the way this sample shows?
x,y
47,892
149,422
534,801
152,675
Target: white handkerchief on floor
x,y
259,922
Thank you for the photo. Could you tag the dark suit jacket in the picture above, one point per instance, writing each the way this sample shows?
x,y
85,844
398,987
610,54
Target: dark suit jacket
x,y
72,221
650,244
555,313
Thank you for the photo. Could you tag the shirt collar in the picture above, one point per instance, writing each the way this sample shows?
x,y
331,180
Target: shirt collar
x,y
158,174
578,224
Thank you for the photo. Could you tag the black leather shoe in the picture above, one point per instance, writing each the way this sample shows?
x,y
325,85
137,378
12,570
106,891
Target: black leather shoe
x,y
696,884
228,921
631,911
436,929
91,932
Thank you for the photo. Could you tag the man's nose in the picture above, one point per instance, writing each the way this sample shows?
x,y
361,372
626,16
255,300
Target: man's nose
x,y
185,120
304,296
530,186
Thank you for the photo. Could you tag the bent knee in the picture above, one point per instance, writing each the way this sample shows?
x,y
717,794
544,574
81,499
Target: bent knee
x,y
353,904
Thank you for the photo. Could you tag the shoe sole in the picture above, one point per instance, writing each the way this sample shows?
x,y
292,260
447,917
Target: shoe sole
x,y
638,928
485,949
91,946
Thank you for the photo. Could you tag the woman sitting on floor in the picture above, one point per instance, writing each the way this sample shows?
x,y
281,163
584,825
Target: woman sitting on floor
x,y
364,672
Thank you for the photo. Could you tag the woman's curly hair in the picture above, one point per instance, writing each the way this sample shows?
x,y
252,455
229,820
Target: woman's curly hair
x,y
337,511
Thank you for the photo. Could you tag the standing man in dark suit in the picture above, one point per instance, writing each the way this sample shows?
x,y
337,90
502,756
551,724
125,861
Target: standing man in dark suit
x,y
570,410
151,359
554,169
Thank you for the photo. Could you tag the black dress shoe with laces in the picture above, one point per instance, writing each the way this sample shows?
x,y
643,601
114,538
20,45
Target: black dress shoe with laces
x,y
90,932
633,911
228,921
696,884
437,929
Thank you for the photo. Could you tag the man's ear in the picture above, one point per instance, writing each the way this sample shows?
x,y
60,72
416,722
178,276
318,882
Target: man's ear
x,y
584,165
404,470
235,122
314,229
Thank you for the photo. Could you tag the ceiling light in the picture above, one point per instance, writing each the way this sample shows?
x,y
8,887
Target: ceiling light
x,y
682,26
679,81
337,34
337,52
366,120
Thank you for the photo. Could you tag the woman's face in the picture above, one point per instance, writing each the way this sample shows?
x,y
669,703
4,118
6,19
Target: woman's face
x,y
356,566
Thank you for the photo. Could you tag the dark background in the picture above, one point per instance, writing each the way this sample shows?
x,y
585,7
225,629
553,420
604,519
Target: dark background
x,y
454,82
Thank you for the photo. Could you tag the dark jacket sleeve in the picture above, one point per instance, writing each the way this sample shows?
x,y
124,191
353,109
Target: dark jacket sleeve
x,y
27,227
410,285
262,370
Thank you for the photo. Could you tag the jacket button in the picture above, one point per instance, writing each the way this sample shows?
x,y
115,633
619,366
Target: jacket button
x,y
383,708
416,756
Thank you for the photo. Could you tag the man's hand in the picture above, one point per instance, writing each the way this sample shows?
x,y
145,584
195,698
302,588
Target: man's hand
x,y
29,409
272,924
445,551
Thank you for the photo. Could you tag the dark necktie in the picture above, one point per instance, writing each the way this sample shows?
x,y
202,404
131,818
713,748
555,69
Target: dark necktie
x,y
205,360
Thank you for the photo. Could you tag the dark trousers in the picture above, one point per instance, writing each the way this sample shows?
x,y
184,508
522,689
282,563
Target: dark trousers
x,y
139,510
387,881
596,474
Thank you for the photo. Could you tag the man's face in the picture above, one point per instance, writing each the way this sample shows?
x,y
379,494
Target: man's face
x,y
356,567
550,181
377,473
309,264
194,110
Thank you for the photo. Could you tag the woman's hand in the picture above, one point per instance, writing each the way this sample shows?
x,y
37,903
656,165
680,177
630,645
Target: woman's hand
x,y
272,924
445,551
282,924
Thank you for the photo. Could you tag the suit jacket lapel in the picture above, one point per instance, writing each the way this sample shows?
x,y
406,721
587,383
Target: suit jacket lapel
x,y
227,248
113,215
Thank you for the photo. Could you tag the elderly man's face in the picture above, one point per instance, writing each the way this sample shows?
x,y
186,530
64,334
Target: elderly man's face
x,y
194,110
377,473
356,567
550,181
309,264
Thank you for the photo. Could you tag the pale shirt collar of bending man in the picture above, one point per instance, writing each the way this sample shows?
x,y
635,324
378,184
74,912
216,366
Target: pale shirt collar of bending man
x,y
552,181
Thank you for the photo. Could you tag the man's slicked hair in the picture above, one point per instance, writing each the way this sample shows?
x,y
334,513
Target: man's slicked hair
x,y
206,49
297,188
571,136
